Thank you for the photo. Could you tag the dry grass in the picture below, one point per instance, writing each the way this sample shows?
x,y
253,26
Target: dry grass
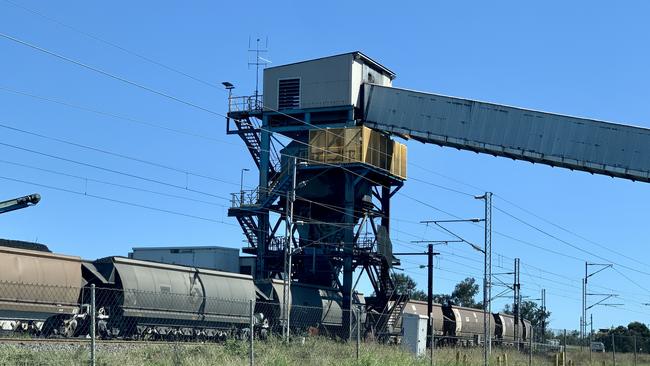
x,y
313,351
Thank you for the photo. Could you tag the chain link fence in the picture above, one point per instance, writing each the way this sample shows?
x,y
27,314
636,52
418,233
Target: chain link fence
x,y
49,325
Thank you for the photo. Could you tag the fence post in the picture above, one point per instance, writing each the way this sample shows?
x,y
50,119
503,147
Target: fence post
x,y
92,324
251,333
614,349
564,350
358,330
635,350
530,347
433,340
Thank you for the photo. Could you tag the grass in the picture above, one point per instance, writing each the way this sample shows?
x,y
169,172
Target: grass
x,y
313,351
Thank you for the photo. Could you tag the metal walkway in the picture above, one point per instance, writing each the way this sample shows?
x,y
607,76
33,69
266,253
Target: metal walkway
x,y
575,143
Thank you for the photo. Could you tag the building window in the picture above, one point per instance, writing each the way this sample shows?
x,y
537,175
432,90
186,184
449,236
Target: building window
x,y
289,93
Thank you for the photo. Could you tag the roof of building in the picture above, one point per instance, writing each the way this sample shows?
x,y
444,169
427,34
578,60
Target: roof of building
x,y
356,55
207,247
24,245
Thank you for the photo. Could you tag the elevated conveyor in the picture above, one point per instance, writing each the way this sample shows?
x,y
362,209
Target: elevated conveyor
x,y
575,143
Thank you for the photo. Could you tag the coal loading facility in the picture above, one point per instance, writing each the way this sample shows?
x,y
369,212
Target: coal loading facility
x,y
323,136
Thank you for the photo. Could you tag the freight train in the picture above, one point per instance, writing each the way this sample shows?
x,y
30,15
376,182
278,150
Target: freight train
x,y
463,326
48,294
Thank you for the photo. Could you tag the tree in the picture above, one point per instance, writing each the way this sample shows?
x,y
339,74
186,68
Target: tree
x,y
530,311
464,293
404,284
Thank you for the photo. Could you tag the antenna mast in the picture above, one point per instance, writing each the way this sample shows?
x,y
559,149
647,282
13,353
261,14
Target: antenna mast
x,y
259,61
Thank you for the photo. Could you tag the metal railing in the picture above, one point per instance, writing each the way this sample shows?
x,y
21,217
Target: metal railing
x,y
249,103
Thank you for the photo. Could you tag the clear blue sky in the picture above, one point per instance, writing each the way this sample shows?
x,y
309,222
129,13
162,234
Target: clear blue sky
x,y
584,58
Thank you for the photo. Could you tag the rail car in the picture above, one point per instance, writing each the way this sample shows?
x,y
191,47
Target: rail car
x,y
463,326
51,308
142,299
48,294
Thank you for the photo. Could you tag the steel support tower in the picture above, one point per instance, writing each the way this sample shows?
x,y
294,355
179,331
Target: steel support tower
x,y
341,211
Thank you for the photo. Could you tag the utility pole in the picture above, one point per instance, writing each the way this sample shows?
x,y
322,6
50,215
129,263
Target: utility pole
x,y
586,294
516,287
487,279
430,254
291,196
487,268
430,287
543,315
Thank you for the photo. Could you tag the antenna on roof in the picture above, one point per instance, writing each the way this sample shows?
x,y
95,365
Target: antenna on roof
x,y
259,61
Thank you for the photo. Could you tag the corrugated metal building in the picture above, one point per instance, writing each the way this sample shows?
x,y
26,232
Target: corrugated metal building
x,y
210,257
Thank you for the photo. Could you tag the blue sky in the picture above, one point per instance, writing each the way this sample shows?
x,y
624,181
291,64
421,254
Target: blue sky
x,y
580,58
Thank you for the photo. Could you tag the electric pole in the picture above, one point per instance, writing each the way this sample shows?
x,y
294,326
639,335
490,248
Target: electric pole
x,y
291,196
430,254
487,279
516,287
543,338
586,294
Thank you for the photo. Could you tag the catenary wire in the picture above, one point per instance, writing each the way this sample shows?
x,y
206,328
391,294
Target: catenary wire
x,y
86,179
119,155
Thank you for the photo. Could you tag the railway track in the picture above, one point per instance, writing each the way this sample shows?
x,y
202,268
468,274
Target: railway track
x,y
82,341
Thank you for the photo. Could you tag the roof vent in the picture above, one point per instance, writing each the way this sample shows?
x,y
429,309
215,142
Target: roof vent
x,y
289,93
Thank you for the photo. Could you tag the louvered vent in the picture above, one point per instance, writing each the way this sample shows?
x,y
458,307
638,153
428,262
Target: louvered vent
x,y
289,94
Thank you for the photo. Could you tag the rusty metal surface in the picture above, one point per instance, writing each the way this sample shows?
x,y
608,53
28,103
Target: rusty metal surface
x,y
576,143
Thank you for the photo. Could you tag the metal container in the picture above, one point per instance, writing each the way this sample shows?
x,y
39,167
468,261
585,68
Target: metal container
x,y
155,290
310,305
469,322
37,284
227,295
420,308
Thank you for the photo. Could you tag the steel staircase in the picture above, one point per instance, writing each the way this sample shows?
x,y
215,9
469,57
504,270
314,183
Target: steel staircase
x,y
247,206
396,311
248,224
250,134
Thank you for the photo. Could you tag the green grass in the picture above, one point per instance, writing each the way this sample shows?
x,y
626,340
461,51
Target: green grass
x,y
314,351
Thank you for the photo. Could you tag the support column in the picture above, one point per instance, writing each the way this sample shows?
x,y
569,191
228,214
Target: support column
x,y
348,251
263,218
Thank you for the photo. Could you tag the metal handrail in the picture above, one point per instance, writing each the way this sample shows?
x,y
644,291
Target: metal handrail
x,y
248,103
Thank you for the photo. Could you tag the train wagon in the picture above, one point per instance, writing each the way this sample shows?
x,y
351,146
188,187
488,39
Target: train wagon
x,y
143,299
420,308
313,308
39,292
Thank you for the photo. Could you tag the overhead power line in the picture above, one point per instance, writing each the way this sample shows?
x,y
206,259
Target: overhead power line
x,y
107,152
568,243
86,179
619,253
113,171
85,194
117,116
108,74
114,45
